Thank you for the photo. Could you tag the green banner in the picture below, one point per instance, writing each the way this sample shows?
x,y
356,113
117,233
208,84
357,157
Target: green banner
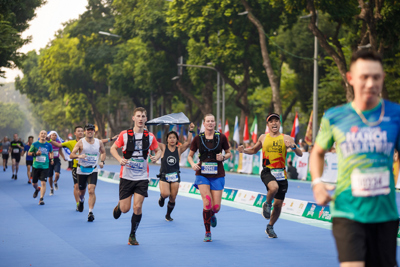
x,y
256,163
317,212
229,194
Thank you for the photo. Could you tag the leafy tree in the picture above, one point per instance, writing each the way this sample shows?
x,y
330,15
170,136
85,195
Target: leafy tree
x,y
11,119
14,18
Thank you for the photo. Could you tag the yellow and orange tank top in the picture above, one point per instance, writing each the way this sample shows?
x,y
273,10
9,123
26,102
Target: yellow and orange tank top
x,y
274,152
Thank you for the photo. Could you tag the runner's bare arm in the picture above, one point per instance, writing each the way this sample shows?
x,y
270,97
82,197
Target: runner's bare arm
x,y
102,155
188,141
109,139
195,167
289,143
54,143
255,148
157,156
114,153
321,194
77,149
62,154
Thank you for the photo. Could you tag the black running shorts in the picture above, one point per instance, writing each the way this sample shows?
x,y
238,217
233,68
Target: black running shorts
x,y
5,156
267,177
373,243
162,178
39,174
56,167
74,175
29,162
17,157
83,180
127,188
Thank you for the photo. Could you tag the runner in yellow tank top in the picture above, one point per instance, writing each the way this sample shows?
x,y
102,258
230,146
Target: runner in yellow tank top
x,y
273,175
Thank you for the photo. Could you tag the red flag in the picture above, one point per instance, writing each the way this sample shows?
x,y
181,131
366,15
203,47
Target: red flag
x,y
295,128
246,138
227,130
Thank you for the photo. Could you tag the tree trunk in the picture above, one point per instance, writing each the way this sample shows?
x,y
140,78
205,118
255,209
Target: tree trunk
x,y
273,80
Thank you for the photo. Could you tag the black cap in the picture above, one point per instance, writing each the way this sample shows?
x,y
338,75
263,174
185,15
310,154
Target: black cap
x,y
273,115
90,126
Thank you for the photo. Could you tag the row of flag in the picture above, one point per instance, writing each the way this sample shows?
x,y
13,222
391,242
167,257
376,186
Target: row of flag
x,y
247,135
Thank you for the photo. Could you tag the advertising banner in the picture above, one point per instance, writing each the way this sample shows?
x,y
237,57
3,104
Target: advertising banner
x,y
302,165
294,206
247,164
260,199
185,187
314,211
256,163
229,194
246,197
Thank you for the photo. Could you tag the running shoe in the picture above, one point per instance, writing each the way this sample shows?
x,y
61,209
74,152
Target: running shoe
x,y
12,177
207,238
116,212
51,191
36,192
29,181
270,231
90,217
4,169
266,210
15,177
132,240
161,201
80,206
41,202
55,186
168,218
213,221
77,206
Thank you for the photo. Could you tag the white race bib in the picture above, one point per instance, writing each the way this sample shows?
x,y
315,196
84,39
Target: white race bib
x,y
370,182
136,165
55,152
279,174
209,168
171,177
16,150
90,159
41,159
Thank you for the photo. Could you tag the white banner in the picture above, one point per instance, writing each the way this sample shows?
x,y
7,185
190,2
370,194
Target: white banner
x,y
301,164
246,197
247,164
183,158
330,168
294,206
185,187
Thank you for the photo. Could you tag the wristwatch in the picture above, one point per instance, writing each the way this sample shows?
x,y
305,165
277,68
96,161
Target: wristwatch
x,y
104,163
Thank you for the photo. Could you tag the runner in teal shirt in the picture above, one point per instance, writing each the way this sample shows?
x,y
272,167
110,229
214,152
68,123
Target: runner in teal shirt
x,y
42,153
366,131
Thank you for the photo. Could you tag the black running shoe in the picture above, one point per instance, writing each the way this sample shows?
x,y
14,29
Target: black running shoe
x,y
51,191
29,182
36,192
12,177
55,186
168,218
132,240
90,217
161,201
270,231
80,207
15,177
117,212
41,202
266,210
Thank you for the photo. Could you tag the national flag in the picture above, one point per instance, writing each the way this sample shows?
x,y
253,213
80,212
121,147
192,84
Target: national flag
x,y
227,130
246,138
219,126
295,128
308,137
236,137
172,127
59,139
254,130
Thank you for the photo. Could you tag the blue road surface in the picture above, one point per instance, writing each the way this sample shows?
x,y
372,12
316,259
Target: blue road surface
x,y
57,235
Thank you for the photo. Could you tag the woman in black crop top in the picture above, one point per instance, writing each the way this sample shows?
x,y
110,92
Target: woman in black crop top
x,y
169,171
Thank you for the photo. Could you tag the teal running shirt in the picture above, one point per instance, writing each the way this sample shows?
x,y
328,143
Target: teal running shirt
x,y
42,161
365,190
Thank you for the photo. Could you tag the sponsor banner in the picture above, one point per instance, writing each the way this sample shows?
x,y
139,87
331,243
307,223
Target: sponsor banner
x,y
185,187
260,199
116,176
236,160
294,206
153,182
111,175
256,163
229,194
246,197
183,159
330,168
314,211
247,164
194,190
104,174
